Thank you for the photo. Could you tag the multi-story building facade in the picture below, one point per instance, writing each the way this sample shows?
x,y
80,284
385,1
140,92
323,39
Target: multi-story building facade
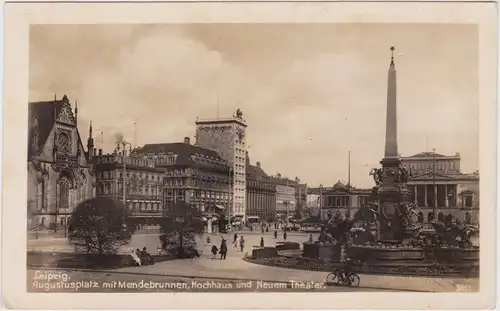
x,y
343,199
60,173
227,137
439,187
313,205
191,174
285,197
142,193
301,198
261,193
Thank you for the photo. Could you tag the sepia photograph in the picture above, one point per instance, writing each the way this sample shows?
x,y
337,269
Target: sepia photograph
x,y
254,157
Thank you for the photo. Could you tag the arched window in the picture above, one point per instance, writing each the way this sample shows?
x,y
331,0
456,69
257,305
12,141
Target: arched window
x,y
63,193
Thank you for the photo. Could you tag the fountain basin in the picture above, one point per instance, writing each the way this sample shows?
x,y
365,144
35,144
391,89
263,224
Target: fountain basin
x,y
383,254
322,252
264,252
456,255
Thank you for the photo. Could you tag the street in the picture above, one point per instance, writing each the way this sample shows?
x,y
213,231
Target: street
x,y
235,269
151,241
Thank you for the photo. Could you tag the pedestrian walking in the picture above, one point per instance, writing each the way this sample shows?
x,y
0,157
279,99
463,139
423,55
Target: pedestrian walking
x,y
223,249
235,237
261,241
275,234
208,240
215,250
236,243
310,238
242,244
284,236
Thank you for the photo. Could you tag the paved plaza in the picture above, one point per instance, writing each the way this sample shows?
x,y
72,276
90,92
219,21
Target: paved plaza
x,y
235,268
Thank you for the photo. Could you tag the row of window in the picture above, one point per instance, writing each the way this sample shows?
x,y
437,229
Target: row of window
x,y
240,151
343,201
132,189
240,159
200,194
112,174
144,206
239,167
429,166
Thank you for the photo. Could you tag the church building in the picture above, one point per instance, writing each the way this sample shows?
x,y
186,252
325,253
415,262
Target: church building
x,y
59,170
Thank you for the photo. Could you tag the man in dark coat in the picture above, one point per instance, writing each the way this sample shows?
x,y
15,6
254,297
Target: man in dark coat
x,y
223,249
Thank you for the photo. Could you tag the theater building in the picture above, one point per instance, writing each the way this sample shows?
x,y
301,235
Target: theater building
x,y
60,173
439,186
343,199
191,174
261,193
142,193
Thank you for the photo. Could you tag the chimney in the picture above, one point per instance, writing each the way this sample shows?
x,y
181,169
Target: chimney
x,y
187,140
100,152
258,164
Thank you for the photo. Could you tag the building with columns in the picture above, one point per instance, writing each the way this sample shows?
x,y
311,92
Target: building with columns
x,y
227,137
343,199
261,193
60,174
438,185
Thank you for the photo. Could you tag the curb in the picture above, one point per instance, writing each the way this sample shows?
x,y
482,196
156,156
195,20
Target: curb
x,y
214,278
368,272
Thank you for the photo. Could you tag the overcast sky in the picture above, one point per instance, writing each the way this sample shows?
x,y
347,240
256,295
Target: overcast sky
x,y
309,93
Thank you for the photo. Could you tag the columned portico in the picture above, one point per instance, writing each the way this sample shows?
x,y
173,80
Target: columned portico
x,y
438,195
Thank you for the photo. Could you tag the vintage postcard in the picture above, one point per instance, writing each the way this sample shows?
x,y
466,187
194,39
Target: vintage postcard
x,y
341,154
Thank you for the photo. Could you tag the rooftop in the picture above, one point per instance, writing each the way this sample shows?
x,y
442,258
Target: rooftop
x,y
185,152
42,117
431,155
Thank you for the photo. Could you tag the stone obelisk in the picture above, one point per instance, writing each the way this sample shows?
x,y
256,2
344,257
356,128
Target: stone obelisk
x,y
392,193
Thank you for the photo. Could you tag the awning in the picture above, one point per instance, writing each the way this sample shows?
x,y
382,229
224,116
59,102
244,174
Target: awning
x,y
219,206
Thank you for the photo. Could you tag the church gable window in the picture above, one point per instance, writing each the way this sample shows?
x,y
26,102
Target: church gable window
x,y
66,116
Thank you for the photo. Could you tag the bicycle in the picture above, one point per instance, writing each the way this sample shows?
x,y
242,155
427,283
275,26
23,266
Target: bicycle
x,y
337,278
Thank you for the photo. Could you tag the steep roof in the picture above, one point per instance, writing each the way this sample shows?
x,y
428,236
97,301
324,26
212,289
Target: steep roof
x,y
183,151
255,172
42,117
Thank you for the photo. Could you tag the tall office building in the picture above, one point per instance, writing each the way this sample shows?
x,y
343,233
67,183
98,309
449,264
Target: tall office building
x,y
227,137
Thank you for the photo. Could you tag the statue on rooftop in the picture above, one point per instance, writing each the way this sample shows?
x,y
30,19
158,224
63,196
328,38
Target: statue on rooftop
x,y
239,114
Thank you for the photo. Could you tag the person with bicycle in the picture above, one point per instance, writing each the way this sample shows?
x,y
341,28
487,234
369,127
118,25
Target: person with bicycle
x,y
346,270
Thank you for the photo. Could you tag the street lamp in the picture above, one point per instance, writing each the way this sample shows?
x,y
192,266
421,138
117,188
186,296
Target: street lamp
x,y
434,181
229,198
124,144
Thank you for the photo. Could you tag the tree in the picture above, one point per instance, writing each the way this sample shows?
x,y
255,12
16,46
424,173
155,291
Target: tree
x,y
180,227
100,225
